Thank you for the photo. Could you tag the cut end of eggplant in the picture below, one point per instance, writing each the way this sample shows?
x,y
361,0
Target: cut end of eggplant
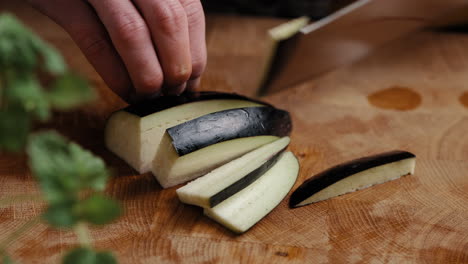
x,y
122,136
245,208
354,175
171,169
135,132
221,183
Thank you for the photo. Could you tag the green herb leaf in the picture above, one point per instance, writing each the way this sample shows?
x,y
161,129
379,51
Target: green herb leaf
x,y
49,161
14,127
69,91
25,90
98,209
62,168
16,49
61,214
25,54
53,62
21,48
88,256
90,169
80,256
7,51
105,257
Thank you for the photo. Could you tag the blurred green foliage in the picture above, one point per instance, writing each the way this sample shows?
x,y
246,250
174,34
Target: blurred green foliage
x,y
72,179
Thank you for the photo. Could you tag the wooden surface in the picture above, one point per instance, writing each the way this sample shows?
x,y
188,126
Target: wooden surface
x,y
421,218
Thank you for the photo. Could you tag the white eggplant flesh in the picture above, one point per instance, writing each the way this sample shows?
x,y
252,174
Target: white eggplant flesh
x,y
171,169
353,176
247,207
224,181
135,138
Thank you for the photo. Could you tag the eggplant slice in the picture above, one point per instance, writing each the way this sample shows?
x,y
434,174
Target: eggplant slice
x,y
178,158
245,208
354,175
171,169
223,182
134,133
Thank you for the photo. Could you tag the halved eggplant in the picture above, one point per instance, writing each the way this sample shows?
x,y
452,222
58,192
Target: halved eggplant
x,y
354,175
245,208
223,182
134,133
171,169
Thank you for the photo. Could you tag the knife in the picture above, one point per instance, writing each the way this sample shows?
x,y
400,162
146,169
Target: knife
x,y
302,51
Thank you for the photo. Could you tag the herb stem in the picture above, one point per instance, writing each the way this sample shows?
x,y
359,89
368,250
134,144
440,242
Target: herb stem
x,y
82,232
20,198
18,232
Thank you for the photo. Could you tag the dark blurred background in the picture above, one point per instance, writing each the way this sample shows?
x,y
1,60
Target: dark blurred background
x,y
315,9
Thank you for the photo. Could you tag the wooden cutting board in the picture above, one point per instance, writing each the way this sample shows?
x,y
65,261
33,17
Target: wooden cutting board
x,y
419,218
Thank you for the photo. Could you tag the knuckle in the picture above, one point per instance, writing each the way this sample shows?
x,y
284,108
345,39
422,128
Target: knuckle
x,y
172,18
179,76
130,28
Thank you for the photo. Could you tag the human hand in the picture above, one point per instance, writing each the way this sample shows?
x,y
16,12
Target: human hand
x,y
139,47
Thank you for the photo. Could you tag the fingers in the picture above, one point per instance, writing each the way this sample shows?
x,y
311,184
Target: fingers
x,y
164,46
196,22
132,39
81,22
168,24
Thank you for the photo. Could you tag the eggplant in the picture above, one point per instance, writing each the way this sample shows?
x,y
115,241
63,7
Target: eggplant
x,y
245,208
229,124
134,133
165,102
354,175
223,182
261,124
171,169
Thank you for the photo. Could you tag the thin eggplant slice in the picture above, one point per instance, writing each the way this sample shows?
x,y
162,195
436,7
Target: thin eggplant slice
x,y
245,208
229,124
223,182
171,169
354,175
134,133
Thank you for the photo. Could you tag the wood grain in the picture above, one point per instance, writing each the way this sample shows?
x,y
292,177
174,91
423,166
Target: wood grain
x,y
238,52
420,218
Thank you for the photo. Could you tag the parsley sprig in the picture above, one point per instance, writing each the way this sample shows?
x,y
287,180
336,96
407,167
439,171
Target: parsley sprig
x,y
71,179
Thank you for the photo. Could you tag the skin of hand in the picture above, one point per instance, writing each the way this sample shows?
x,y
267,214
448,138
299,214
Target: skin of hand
x,y
140,48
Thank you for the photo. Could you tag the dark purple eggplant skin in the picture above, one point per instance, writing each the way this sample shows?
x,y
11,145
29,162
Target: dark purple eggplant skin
x,y
229,124
339,172
154,105
245,181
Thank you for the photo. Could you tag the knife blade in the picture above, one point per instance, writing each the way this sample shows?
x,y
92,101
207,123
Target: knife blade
x,y
302,53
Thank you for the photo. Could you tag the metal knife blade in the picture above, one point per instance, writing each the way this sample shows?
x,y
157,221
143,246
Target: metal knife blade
x,y
347,35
